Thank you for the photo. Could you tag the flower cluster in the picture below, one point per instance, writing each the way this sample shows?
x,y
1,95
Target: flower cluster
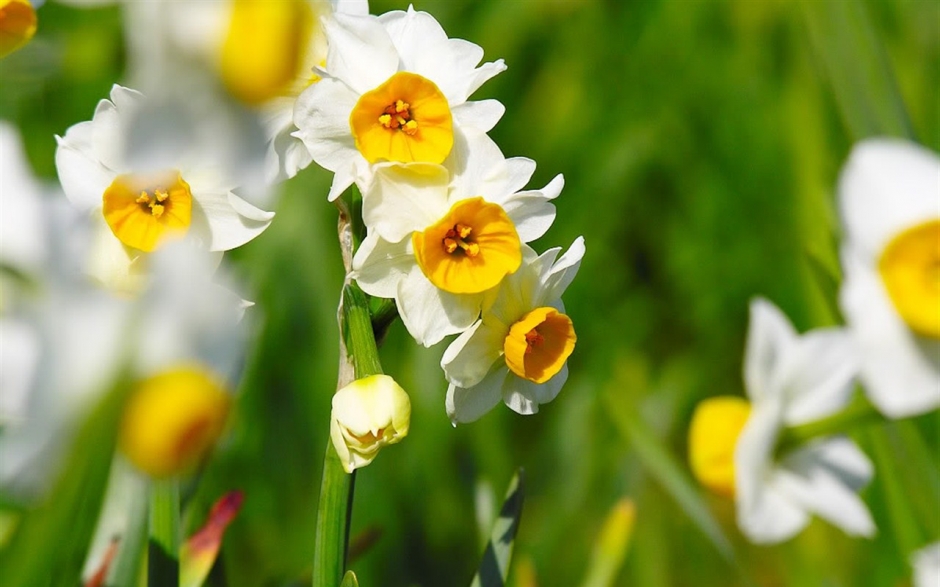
x,y
448,216
891,345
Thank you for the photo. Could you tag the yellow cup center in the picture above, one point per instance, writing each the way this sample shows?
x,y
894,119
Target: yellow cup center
x,y
538,345
406,119
264,50
143,210
172,419
716,425
910,270
470,249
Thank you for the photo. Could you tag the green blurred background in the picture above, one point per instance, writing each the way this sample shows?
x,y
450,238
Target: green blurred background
x,y
700,145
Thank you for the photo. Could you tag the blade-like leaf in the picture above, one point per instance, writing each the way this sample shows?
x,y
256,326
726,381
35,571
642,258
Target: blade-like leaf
x,y
611,546
163,564
349,580
496,557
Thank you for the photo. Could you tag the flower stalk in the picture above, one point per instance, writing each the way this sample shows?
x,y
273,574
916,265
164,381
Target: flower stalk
x,y
857,414
163,568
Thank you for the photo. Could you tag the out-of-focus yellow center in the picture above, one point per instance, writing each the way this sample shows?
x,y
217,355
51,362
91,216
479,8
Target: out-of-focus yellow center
x,y
538,345
470,249
17,25
713,434
263,53
142,210
406,119
172,419
910,269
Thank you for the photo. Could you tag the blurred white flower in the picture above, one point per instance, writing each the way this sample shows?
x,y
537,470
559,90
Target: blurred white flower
x,y
394,88
368,414
440,237
926,563
518,351
143,204
889,197
263,52
791,380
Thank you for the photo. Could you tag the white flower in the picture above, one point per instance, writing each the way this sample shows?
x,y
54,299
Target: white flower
x,y
518,351
264,53
394,88
926,563
791,380
440,237
140,207
889,197
368,414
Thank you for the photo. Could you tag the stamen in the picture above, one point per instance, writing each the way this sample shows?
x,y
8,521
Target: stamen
x,y
397,116
533,339
155,202
457,238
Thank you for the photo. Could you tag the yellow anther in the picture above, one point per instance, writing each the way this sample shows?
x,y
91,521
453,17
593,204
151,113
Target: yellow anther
x,y
161,195
463,230
385,120
411,127
144,198
401,106
156,210
471,249
450,245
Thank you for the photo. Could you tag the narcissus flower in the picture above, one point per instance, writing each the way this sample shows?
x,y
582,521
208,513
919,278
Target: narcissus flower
x,y
17,25
142,208
394,88
439,238
790,380
368,414
888,198
518,351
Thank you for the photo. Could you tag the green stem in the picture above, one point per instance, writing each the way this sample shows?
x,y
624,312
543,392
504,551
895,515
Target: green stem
x,y
130,552
163,567
858,413
334,510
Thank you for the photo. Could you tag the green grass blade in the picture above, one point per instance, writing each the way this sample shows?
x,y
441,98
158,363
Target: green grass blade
x,y
350,580
163,565
51,542
907,532
611,546
660,463
857,67
494,567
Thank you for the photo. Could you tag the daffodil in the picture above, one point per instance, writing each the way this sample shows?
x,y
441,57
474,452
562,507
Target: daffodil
x,y
440,238
143,207
394,88
790,380
890,207
518,351
926,563
368,414
17,25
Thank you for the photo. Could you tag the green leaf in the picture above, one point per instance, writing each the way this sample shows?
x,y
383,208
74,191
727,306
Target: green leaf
x,y
494,567
163,565
611,546
666,470
350,580
126,567
334,511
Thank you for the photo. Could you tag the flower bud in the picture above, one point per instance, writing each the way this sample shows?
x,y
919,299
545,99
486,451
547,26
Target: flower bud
x,y
368,414
17,25
716,425
173,419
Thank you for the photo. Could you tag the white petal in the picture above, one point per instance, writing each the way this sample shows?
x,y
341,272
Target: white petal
x,y
813,488
468,359
482,115
414,34
83,179
823,378
899,370
358,7
19,357
771,518
429,313
22,223
562,273
401,199
227,227
467,405
887,185
379,266
532,214
321,114
771,341
452,64
926,563
347,173
838,455
361,52
532,395
478,167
